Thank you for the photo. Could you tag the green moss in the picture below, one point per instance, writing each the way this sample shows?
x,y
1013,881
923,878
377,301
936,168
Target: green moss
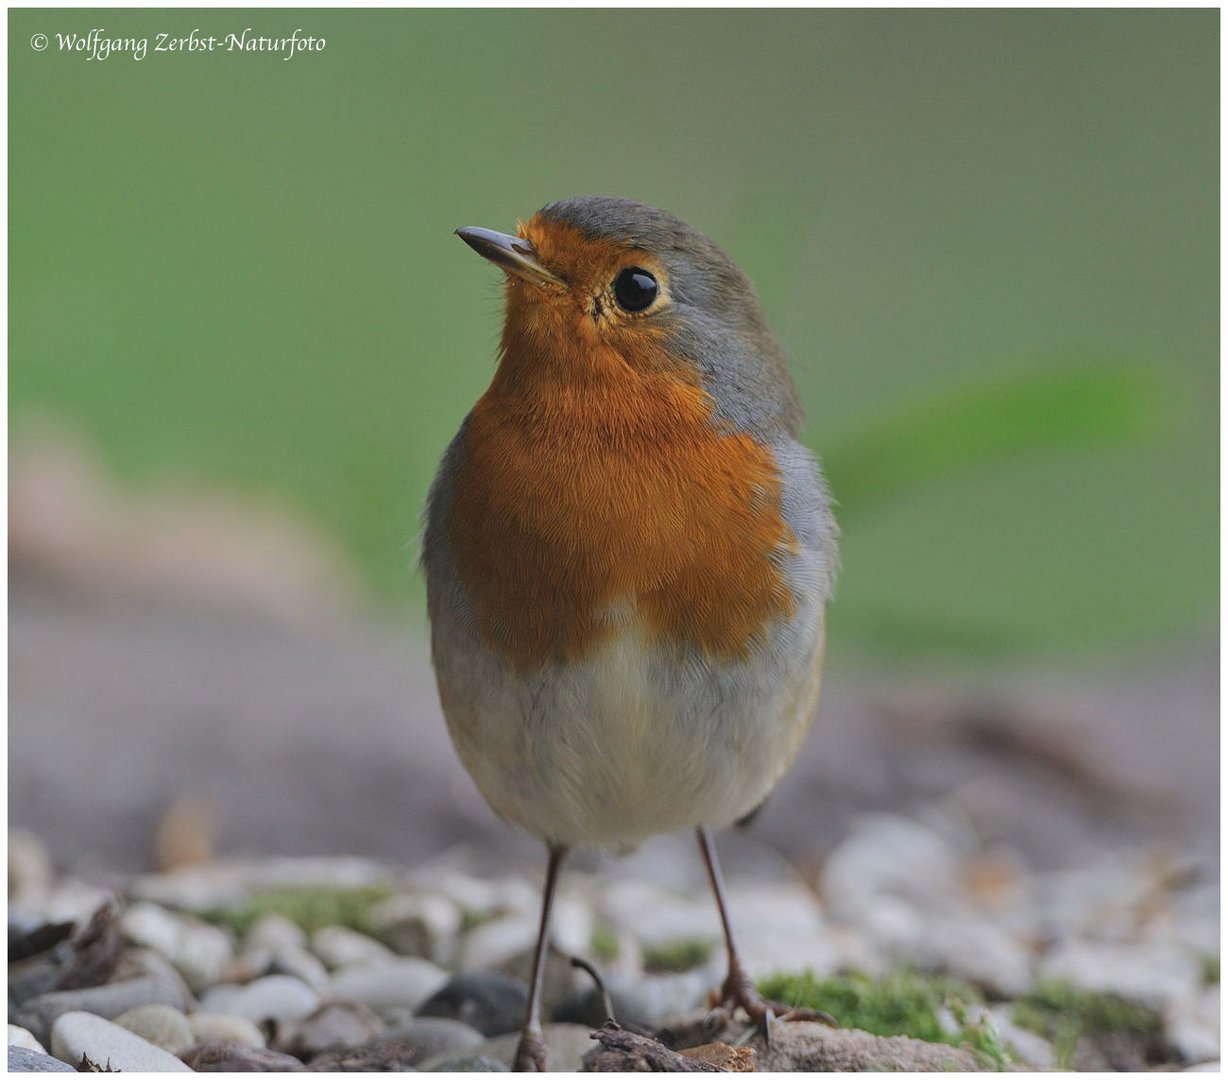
x,y
1048,1004
980,1036
677,956
471,919
1063,1014
903,1003
603,944
1209,965
310,908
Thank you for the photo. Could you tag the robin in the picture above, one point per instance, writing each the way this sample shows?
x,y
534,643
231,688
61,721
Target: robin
x,y
628,552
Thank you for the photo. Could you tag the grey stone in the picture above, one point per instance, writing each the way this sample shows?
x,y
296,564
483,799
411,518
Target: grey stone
x,y
282,998
643,1004
333,1026
419,924
219,1027
559,978
233,1057
76,1035
37,975
434,1035
23,1060
462,1063
489,1002
161,1025
406,981
566,1045
106,1001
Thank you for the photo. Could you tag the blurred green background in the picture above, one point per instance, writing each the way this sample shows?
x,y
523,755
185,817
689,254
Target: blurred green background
x,y
988,239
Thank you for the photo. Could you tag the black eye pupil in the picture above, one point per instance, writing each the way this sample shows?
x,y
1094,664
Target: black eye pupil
x,y
635,289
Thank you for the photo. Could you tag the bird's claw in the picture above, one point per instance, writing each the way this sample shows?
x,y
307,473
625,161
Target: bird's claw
x,y
739,992
530,1053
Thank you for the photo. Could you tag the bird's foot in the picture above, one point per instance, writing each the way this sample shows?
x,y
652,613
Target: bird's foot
x,y
530,1053
738,991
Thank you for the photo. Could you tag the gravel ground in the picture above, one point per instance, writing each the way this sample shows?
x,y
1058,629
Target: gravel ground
x,y
351,964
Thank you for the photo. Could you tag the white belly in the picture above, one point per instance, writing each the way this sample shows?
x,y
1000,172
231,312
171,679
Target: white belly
x,y
629,744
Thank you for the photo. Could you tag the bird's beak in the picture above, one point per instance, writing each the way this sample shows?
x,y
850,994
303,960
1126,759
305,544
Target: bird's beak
x,y
511,253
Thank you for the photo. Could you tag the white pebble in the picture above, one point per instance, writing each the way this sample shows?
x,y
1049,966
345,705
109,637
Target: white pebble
x,y
571,925
979,951
19,1036
220,1027
492,944
70,901
1150,974
77,1034
1192,1026
160,1025
889,855
338,946
275,932
199,951
30,873
302,965
275,997
405,981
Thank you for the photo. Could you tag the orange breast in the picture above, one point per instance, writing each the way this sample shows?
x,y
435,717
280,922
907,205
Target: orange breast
x,y
571,500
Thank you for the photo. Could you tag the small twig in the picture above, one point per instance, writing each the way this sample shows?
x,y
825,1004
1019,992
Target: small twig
x,y
606,1004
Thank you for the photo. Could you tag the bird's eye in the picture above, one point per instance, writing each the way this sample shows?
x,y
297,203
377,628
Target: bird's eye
x,y
635,289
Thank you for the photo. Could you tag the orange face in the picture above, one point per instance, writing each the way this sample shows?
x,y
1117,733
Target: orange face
x,y
578,330
595,479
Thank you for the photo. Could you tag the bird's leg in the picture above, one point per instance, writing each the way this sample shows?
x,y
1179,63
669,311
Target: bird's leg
x,y
531,1051
737,988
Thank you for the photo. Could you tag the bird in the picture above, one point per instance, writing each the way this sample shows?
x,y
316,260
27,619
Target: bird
x,y
628,552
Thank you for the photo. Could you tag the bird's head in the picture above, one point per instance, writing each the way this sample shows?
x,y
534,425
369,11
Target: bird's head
x,y
602,288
